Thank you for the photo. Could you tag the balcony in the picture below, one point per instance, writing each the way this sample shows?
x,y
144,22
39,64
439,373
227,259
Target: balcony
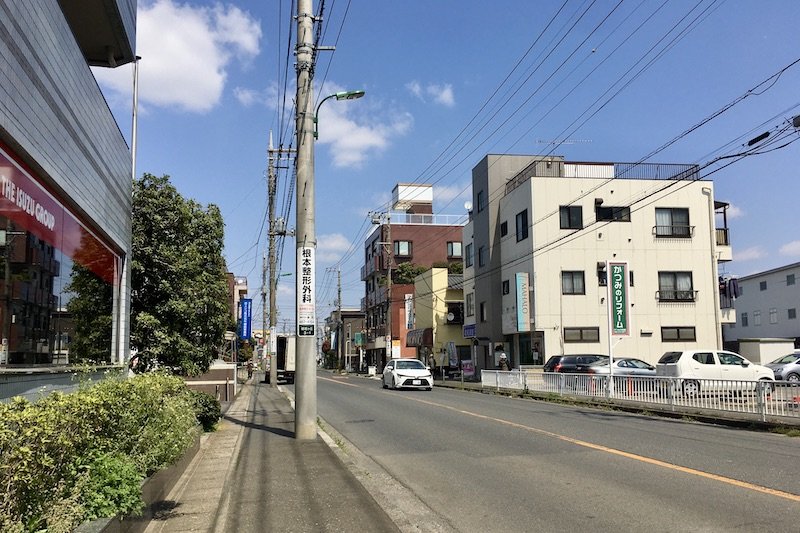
x,y
724,250
672,295
674,231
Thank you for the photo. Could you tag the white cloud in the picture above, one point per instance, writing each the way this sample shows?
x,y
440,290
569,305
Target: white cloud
x,y
791,249
447,194
749,254
332,247
415,88
734,211
441,94
187,52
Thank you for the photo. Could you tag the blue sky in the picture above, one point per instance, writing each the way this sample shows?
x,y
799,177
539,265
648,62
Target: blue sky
x,y
446,83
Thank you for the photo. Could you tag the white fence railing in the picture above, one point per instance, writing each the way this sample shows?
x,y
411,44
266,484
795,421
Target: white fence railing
x,y
761,399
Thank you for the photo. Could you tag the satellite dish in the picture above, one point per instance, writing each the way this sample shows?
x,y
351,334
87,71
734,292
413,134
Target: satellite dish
x,y
468,205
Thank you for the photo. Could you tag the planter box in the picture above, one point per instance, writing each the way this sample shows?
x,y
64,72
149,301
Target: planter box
x,y
154,490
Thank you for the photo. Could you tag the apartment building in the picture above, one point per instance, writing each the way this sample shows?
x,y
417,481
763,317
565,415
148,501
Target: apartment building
x,y
766,305
408,233
541,233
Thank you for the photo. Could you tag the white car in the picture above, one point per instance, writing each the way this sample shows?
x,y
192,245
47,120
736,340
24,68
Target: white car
x,y
407,373
711,369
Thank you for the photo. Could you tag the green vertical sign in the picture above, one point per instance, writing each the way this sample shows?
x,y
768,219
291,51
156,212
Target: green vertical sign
x,y
618,299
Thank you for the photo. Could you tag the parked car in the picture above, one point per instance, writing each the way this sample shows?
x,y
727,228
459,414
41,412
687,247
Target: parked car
x,y
786,368
576,364
697,368
407,373
623,366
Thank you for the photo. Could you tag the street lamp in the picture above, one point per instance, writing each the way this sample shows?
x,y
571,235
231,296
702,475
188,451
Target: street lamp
x,y
341,95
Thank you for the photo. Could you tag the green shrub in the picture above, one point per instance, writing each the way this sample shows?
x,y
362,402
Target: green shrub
x,y
207,408
70,457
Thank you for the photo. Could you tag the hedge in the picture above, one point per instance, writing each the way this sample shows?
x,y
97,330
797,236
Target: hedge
x,y
67,458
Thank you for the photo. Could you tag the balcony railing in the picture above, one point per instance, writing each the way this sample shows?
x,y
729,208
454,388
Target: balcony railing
x,y
722,237
674,231
676,296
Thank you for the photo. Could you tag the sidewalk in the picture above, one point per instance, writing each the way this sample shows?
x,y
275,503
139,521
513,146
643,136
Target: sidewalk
x,y
252,475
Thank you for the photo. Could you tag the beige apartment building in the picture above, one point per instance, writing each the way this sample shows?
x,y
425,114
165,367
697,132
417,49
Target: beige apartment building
x,y
541,233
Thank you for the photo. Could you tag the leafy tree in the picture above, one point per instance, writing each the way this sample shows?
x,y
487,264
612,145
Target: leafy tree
x,y
179,296
90,307
406,272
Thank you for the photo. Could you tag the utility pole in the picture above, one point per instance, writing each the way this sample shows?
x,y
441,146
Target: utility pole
x,y
305,427
275,228
339,322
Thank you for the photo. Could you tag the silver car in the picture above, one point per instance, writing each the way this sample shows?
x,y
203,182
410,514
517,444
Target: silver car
x,y
786,368
623,366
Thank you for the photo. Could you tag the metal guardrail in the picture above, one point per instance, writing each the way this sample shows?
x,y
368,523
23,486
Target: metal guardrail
x,y
755,399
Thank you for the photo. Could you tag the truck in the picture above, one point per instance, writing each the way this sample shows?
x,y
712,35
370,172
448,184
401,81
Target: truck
x,y
285,354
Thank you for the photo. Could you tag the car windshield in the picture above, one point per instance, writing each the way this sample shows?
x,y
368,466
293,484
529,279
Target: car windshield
x,y
791,358
600,362
409,365
670,357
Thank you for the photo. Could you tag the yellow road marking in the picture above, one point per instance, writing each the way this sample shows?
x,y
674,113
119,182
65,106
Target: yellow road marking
x,y
614,451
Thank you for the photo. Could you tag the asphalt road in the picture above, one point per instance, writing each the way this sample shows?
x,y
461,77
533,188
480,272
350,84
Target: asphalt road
x,y
492,463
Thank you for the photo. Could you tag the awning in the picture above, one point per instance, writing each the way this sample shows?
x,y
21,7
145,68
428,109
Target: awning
x,y
419,337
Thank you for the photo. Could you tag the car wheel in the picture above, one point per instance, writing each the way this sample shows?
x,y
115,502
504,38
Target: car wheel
x,y
427,388
691,388
767,386
394,385
383,382
794,378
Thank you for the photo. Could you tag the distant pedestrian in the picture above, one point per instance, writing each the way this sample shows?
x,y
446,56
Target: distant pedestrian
x,y
502,358
432,364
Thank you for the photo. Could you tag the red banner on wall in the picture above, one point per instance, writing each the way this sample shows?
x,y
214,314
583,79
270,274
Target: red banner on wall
x,y
31,207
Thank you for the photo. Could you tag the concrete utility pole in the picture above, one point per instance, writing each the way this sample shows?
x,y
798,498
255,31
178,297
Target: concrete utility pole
x,y
339,322
274,229
305,427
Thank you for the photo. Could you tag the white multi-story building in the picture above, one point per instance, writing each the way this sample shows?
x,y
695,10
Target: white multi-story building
x,y
536,248
767,305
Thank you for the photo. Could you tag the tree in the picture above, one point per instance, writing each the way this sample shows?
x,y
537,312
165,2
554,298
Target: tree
x,y
406,272
179,296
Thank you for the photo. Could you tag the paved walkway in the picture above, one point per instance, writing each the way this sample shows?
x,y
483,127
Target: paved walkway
x,y
252,475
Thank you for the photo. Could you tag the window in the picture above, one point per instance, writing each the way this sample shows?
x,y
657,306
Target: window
x,y
482,256
506,287
792,313
470,304
468,255
727,358
402,248
572,282
675,287
483,311
678,334
503,229
705,358
454,249
762,285
581,334
773,315
757,318
614,214
744,320
672,222
522,225
571,216
602,275
790,279
481,201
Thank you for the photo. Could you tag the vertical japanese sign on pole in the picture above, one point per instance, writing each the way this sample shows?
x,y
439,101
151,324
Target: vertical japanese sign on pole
x,y
306,312
246,324
618,310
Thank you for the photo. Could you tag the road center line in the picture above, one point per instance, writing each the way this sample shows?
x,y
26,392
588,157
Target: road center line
x,y
628,455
